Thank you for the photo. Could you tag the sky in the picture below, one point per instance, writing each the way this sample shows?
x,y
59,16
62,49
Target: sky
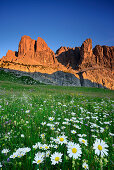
x,y
58,22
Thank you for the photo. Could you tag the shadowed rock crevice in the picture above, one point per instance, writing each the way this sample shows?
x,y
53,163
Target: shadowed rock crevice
x,y
35,46
69,57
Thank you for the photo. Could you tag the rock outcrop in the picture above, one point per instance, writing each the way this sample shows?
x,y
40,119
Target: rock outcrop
x,y
104,56
95,65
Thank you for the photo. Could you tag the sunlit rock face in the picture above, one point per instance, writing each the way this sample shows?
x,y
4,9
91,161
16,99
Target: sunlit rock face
x,y
85,63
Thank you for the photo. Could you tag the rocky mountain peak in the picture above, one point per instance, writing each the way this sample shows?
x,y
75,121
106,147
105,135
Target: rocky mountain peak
x,y
35,56
41,45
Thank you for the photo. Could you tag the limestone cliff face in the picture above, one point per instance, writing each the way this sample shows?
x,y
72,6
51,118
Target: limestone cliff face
x,y
104,55
96,65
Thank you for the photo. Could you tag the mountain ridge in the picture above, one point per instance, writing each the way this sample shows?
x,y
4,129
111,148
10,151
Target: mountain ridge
x,y
95,64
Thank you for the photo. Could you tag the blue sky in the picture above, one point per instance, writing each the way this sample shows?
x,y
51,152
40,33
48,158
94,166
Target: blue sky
x,y
58,22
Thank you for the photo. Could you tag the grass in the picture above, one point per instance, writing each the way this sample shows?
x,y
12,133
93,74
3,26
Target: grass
x,y
23,108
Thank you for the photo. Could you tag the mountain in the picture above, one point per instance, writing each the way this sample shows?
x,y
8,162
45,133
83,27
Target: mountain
x,y
95,65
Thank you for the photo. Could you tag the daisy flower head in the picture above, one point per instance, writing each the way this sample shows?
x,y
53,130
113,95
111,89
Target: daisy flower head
x,y
40,145
5,151
74,150
84,141
38,159
42,135
73,131
100,147
27,111
45,147
43,123
62,139
47,153
35,146
56,158
85,165
51,118
14,155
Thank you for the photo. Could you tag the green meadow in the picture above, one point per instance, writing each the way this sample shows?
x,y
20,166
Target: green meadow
x,y
49,127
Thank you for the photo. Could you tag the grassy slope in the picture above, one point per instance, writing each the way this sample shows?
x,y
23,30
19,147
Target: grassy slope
x,y
49,89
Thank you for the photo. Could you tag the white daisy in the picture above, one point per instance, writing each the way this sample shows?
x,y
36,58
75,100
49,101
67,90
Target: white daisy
x,y
56,158
42,135
14,155
47,153
81,140
43,123
73,131
5,151
38,159
74,150
100,147
85,165
51,118
45,147
62,139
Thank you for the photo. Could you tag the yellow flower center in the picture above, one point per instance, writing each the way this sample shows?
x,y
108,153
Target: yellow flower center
x,y
56,158
83,140
40,147
100,147
43,135
74,150
61,139
51,119
38,161
14,156
52,128
85,166
46,147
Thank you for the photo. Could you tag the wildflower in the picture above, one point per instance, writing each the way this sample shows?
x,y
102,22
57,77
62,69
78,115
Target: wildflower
x,y
47,153
62,139
27,111
81,140
45,147
5,151
56,158
14,155
43,123
42,135
38,159
73,131
85,165
100,147
40,154
35,146
0,165
51,118
26,149
22,135
40,146
74,150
